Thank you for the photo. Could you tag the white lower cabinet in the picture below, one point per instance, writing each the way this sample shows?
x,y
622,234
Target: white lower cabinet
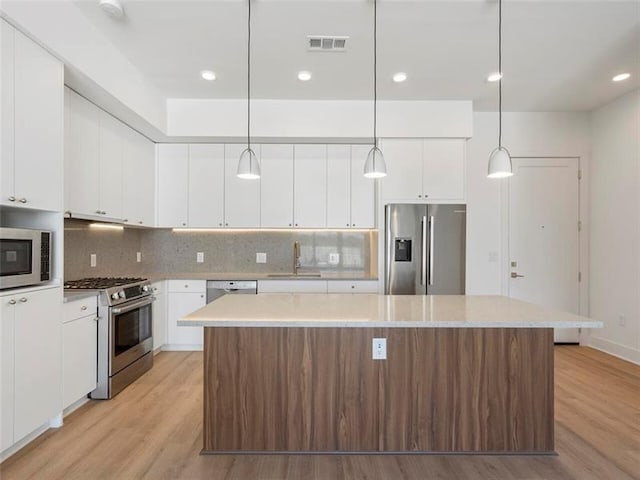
x,y
79,349
292,286
184,296
352,286
31,369
159,314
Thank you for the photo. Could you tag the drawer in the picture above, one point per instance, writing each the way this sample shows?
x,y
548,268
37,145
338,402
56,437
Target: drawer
x,y
159,287
348,286
83,307
195,286
292,286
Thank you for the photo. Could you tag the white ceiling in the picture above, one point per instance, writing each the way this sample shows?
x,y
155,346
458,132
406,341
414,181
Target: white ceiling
x,y
558,55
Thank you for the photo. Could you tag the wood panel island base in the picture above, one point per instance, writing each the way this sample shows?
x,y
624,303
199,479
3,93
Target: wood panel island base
x,y
294,373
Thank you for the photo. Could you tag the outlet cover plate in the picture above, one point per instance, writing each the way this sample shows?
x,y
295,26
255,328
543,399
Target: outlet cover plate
x,y
200,257
261,257
379,349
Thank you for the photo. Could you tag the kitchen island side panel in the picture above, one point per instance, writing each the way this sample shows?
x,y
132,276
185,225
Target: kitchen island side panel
x,y
318,390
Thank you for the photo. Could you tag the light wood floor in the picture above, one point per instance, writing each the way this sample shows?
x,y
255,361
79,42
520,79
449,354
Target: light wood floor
x,y
153,430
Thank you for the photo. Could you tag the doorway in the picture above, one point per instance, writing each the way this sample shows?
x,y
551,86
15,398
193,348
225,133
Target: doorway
x,y
544,236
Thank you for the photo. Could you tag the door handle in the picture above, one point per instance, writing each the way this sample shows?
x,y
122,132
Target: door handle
x,y
432,256
423,266
515,275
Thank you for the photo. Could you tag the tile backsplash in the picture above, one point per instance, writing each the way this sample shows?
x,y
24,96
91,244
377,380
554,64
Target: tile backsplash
x,y
164,251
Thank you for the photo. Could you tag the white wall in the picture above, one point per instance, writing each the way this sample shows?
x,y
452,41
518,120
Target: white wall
x,y
615,226
546,134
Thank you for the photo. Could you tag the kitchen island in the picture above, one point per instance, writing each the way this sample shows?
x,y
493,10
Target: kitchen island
x,y
294,373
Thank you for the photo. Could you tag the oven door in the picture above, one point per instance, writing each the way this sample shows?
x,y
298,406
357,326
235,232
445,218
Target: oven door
x,y
131,333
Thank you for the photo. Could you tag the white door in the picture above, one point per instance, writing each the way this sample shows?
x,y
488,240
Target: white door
x,y
443,170
7,328
241,196
404,168
173,180
276,186
112,133
544,236
179,305
206,185
7,189
362,190
79,353
338,186
310,186
139,180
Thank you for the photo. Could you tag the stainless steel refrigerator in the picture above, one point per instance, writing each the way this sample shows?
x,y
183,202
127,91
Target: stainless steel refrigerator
x,y
425,249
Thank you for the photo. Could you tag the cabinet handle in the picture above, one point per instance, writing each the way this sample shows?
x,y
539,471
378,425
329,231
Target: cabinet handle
x,y
186,286
296,224
184,224
201,296
103,212
353,224
84,307
12,302
125,220
347,224
220,224
226,224
289,224
98,212
24,299
12,199
140,222
419,196
96,319
23,200
425,195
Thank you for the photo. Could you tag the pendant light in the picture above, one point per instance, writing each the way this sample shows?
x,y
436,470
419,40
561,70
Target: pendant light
x,y
500,159
248,165
375,166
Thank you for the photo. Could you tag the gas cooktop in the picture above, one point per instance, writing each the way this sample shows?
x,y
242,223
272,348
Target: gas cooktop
x,y
101,283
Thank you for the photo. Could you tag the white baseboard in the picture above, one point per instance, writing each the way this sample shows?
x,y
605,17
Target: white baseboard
x,y
182,348
75,405
23,443
615,349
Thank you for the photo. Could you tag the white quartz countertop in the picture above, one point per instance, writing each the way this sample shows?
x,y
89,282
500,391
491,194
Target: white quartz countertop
x,y
381,311
342,275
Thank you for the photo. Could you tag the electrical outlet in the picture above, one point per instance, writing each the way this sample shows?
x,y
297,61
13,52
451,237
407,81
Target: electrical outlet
x,y
261,257
200,257
334,258
138,257
622,320
94,259
379,349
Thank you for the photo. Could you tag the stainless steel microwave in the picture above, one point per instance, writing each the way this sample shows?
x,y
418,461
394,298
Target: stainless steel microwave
x,y
25,257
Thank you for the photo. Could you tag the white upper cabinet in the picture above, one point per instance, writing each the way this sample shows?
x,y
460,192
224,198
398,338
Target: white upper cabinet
x,y
362,190
443,173
32,123
173,181
241,196
206,185
339,186
139,180
276,186
351,197
424,169
310,186
110,178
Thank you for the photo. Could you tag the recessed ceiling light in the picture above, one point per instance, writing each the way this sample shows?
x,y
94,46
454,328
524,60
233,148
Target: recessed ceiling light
x,y
400,77
304,76
621,77
208,75
112,7
494,77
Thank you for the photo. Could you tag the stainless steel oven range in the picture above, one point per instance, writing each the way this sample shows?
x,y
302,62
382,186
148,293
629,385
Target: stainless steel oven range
x,y
125,331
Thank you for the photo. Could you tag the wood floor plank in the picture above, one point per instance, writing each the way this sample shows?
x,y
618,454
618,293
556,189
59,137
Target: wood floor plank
x,y
152,430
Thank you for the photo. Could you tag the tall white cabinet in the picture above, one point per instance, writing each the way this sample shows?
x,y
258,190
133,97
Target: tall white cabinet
x,y
276,186
31,148
241,196
310,186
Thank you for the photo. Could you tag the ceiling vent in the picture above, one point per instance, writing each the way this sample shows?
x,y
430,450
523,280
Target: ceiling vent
x,y
326,43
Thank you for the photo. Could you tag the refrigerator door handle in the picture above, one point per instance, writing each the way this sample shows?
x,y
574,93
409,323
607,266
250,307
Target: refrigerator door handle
x,y
432,227
423,267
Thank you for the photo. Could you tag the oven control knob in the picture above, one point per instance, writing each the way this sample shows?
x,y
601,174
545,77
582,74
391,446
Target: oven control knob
x,y
115,296
145,288
121,293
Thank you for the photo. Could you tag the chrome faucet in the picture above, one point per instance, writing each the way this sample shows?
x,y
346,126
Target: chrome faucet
x,y
296,257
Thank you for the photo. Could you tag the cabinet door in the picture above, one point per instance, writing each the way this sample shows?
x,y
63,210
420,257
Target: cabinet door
x,y
338,186
404,169
443,176
276,186
292,286
173,181
7,326
206,185
139,180
352,286
310,186
179,305
38,376
159,313
79,358
6,114
241,196
38,127
362,190
112,133
81,158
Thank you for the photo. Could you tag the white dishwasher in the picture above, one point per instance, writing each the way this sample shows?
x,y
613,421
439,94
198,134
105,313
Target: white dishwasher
x,y
218,288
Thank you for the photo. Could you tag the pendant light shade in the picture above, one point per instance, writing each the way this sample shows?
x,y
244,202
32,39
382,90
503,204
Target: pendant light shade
x,y
248,165
499,163
375,166
500,159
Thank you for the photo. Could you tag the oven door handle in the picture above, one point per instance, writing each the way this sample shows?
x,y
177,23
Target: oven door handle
x,y
133,306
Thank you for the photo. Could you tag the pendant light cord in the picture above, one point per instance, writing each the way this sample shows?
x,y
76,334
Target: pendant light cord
x,y
375,72
500,72
249,77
